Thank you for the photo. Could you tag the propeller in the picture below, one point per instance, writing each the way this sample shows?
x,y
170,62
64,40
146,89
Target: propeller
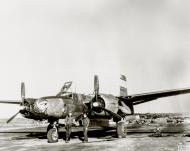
x,y
22,102
98,103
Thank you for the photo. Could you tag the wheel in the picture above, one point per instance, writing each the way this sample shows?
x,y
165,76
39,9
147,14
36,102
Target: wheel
x,y
121,130
52,135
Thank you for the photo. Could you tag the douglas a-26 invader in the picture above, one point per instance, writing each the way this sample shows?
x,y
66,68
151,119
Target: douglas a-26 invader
x,y
103,109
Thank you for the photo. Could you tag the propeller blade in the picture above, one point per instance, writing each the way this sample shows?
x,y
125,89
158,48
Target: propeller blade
x,y
22,91
116,116
10,101
10,119
96,85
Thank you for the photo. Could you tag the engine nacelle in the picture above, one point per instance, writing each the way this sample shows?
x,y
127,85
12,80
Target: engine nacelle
x,y
106,101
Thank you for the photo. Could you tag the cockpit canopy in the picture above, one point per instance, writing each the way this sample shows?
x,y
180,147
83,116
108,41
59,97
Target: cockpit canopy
x,y
67,95
65,88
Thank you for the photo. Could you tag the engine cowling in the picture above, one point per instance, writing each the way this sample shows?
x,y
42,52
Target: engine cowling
x,y
97,104
105,101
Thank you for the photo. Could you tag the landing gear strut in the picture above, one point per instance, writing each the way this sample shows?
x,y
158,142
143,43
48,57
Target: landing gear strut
x,y
121,129
52,132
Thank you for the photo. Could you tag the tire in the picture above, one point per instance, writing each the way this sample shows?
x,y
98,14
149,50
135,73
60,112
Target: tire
x,y
52,135
121,130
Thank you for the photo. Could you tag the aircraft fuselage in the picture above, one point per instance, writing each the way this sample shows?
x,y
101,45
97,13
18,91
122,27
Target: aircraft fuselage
x,y
57,107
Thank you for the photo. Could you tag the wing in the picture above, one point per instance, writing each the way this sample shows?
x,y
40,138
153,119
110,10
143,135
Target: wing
x,y
146,97
10,101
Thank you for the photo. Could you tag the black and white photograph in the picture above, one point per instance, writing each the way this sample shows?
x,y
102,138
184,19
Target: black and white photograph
x,y
95,75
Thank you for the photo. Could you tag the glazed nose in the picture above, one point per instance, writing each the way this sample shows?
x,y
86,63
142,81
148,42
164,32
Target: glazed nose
x,y
40,106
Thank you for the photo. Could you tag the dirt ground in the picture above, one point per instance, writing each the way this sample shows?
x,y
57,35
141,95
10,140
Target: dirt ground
x,y
23,135
98,140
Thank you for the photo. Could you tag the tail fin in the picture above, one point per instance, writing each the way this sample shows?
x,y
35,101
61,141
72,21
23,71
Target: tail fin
x,y
123,86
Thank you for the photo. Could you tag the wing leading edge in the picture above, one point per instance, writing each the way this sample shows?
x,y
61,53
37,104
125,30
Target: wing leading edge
x,y
146,97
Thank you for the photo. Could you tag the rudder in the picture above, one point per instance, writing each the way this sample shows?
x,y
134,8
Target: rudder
x,y
123,86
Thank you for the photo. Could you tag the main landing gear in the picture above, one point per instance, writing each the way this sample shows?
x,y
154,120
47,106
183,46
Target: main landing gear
x,y
121,129
53,132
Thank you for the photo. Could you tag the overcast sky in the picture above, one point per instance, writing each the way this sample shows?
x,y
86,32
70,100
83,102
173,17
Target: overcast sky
x,y
45,43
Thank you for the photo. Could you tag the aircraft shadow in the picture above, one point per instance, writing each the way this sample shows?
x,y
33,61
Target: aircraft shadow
x,y
101,134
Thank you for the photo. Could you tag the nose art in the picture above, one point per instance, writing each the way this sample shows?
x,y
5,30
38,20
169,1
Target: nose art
x,y
40,106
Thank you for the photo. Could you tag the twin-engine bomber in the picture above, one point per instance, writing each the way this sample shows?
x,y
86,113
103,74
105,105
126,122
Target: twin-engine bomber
x,y
103,109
